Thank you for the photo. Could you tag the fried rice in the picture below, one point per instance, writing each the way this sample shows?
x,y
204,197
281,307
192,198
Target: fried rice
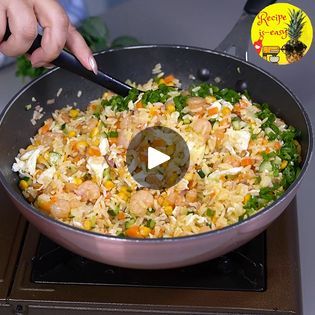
x,y
242,158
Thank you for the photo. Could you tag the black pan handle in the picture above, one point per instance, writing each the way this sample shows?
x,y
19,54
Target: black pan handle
x,y
69,62
255,6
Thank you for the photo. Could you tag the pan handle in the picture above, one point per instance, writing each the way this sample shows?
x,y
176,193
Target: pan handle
x,y
69,62
253,7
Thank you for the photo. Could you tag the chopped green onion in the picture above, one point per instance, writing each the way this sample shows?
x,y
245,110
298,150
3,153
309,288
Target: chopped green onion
x,y
150,224
112,134
129,223
210,212
113,212
201,174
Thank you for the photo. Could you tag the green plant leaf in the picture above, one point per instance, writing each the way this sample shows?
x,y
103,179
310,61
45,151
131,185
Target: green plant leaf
x,y
95,33
24,68
124,41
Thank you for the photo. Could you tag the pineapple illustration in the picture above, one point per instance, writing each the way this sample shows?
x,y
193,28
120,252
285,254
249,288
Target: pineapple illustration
x,y
294,49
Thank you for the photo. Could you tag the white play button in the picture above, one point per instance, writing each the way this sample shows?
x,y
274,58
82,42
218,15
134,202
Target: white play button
x,y
156,157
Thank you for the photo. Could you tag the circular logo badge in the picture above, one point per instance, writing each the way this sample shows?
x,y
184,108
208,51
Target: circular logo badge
x,y
282,33
157,157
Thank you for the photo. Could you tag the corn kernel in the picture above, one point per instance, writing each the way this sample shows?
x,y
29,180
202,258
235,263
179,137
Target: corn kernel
x,y
96,141
123,195
153,111
71,133
226,111
124,189
283,164
144,231
23,184
210,99
81,145
168,210
160,200
170,108
94,132
87,224
246,198
189,176
41,160
74,113
77,181
165,203
109,185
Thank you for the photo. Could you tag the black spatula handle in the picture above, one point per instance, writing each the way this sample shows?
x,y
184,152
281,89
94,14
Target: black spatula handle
x,y
254,6
69,62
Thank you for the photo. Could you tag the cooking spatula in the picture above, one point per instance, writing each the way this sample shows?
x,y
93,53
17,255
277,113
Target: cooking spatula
x,y
69,62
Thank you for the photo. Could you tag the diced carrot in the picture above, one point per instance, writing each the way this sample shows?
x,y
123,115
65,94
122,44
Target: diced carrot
x,y
53,199
92,106
44,129
93,151
168,79
192,184
247,161
264,141
133,231
112,140
267,150
212,194
45,206
139,105
213,111
120,215
277,145
236,107
226,111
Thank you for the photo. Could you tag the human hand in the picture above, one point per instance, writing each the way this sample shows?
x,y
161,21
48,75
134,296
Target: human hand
x,y
23,18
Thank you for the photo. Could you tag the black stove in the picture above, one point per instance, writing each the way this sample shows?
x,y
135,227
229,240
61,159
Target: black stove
x,y
243,270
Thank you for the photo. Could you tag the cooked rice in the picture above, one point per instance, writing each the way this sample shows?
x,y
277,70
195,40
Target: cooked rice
x,y
75,169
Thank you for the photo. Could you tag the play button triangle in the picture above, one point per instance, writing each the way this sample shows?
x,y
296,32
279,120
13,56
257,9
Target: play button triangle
x,y
156,157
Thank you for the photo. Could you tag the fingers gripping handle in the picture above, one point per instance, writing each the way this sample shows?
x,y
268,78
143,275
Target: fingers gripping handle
x,y
69,62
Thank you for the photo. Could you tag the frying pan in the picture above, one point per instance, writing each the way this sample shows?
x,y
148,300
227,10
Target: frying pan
x,y
135,63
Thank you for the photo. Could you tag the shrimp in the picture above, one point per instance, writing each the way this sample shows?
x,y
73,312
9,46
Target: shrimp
x,y
196,104
123,139
203,127
88,191
175,198
60,209
140,201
